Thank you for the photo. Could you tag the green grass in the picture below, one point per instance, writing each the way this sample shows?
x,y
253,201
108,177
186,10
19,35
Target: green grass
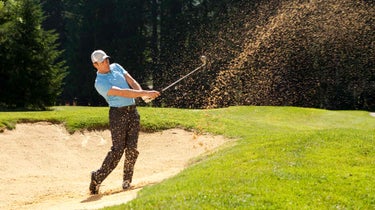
x,y
74,118
284,158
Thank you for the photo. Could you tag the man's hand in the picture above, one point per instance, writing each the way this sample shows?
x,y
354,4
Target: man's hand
x,y
151,95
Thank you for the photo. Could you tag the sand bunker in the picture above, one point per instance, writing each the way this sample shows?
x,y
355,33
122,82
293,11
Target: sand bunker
x,y
44,167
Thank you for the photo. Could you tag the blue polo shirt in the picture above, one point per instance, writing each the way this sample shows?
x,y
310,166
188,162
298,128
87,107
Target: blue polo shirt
x,y
116,77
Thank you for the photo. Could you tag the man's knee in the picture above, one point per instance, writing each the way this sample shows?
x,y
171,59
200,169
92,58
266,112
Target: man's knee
x,y
131,153
117,151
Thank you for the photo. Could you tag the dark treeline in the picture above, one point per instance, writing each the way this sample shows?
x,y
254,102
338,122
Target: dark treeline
x,y
261,52
154,40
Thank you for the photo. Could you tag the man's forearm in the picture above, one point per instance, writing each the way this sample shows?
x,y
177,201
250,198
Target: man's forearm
x,y
126,93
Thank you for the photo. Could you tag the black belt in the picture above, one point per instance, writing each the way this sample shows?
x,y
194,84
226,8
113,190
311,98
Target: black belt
x,y
125,108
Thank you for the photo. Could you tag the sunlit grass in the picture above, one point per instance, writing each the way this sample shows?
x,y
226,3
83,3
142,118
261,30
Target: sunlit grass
x,y
284,157
74,118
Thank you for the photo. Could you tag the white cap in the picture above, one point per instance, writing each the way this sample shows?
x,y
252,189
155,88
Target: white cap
x,y
98,56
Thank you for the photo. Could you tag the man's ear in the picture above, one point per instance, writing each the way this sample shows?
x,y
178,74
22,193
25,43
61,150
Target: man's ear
x,y
95,65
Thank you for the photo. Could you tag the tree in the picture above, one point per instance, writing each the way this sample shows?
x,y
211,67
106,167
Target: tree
x,y
117,27
54,19
33,75
4,25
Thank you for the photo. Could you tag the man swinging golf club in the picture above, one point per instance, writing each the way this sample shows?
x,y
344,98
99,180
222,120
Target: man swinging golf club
x,y
119,89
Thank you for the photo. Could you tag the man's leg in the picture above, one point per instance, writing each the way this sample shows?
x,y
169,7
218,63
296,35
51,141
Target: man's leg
x,y
131,156
110,162
117,126
131,152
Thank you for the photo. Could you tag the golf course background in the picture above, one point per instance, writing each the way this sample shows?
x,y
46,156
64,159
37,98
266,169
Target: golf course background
x,y
283,157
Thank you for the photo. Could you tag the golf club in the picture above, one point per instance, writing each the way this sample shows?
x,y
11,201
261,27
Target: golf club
x,y
204,62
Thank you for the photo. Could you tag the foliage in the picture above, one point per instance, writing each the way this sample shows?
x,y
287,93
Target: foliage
x,y
150,39
115,26
31,74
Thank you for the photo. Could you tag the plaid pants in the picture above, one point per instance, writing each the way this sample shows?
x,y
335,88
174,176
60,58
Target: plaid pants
x,y
124,125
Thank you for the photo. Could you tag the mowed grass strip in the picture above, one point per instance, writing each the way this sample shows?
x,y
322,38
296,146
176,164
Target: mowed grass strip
x,y
284,157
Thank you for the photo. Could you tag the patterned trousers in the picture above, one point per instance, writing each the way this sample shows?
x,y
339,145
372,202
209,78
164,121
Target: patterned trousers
x,y
124,125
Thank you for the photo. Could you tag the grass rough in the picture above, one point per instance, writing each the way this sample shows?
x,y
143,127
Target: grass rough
x,y
284,158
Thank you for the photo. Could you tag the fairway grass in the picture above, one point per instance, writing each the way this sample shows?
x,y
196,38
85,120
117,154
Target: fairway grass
x,y
284,157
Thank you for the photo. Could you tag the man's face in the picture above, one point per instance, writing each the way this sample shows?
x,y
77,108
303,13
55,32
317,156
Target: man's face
x,y
103,66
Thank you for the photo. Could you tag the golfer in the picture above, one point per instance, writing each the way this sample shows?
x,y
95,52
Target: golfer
x,y
119,89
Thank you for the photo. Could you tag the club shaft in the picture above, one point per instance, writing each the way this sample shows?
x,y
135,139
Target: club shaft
x,y
164,89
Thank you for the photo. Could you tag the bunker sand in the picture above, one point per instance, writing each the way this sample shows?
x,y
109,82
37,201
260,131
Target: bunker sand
x,y
45,167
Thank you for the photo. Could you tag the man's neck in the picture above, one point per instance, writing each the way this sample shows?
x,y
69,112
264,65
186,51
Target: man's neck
x,y
103,71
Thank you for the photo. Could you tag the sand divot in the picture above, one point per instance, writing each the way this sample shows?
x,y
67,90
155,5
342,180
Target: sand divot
x,y
44,167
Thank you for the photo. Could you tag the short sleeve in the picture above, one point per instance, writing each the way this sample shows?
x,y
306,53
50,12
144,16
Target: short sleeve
x,y
103,86
121,69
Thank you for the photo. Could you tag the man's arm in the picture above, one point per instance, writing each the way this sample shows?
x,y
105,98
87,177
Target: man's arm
x,y
132,93
132,82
